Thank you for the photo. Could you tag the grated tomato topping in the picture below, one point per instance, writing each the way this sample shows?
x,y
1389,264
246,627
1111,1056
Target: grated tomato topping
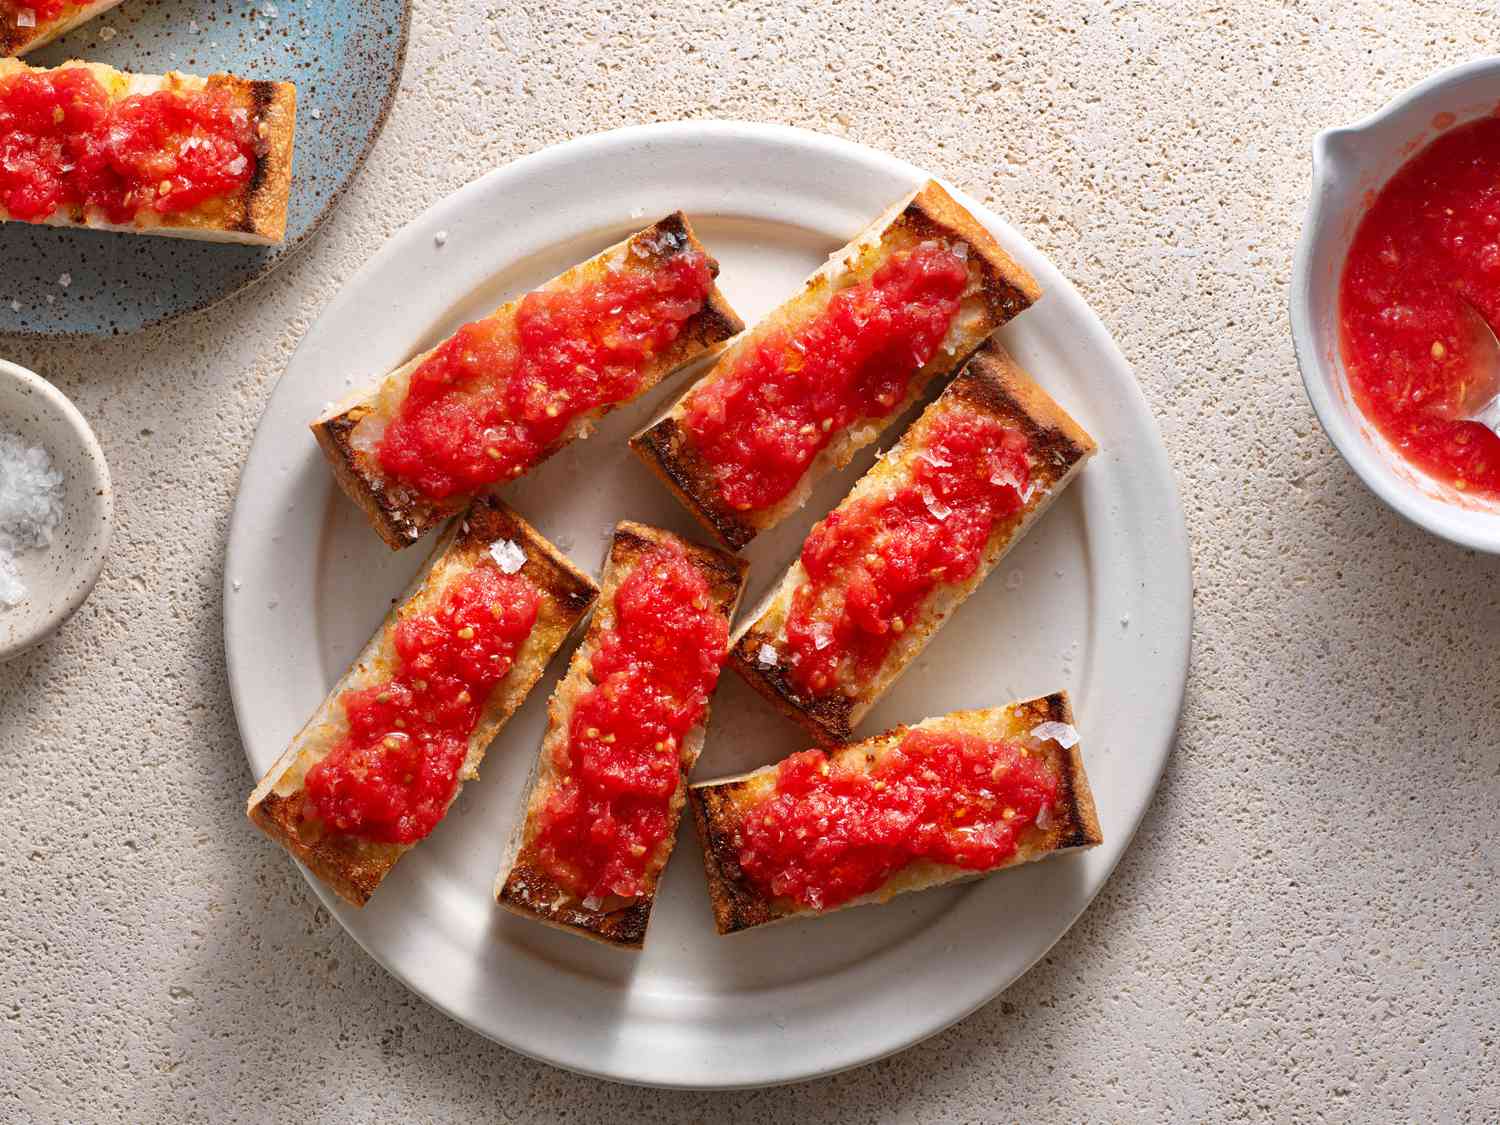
x,y
770,409
620,765
872,564
391,778
828,833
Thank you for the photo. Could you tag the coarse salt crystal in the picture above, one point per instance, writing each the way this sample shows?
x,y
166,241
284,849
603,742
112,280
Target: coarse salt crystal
x,y
15,306
441,238
316,114
25,17
1064,734
107,33
939,510
236,166
766,657
509,557
65,280
1005,476
31,498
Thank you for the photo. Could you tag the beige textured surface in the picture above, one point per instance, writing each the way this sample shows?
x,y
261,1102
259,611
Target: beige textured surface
x,y
1308,924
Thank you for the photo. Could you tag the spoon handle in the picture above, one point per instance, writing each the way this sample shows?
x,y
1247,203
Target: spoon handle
x,y
1489,415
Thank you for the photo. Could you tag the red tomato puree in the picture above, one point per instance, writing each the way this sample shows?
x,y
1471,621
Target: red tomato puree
x,y
828,833
871,564
392,776
765,415
494,397
620,766
64,143
1429,243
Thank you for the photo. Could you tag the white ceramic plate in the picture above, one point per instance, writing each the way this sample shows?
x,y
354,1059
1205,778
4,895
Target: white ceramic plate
x,y
1097,600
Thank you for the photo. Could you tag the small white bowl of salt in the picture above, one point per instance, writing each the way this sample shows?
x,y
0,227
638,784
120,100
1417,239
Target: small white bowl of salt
x,y
56,509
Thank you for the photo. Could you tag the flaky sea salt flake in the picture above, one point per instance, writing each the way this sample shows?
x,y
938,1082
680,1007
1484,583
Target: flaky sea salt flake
x,y
507,555
1064,734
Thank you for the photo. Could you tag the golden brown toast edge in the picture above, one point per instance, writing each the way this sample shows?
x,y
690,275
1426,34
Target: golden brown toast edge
x,y
270,188
355,868
520,885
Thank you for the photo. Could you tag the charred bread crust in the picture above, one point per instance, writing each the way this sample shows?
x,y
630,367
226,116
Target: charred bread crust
x,y
829,719
256,214
521,885
993,384
354,867
1004,289
15,40
716,322
401,515
666,451
275,115
717,811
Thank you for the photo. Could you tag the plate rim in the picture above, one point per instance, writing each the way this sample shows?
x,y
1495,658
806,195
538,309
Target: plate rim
x,y
288,250
1176,639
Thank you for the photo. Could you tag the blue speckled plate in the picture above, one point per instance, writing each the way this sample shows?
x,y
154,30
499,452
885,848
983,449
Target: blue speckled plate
x,y
345,57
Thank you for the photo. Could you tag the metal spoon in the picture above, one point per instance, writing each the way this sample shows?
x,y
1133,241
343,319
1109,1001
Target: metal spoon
x,y
1482,396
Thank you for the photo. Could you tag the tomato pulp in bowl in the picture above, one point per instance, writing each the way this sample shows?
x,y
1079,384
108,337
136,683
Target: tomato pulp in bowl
x,y
1424,260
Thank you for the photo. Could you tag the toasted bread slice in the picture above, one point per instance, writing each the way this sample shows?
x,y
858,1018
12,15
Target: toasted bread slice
x,y
992,384
255,214
352,866
719,809
523,885
16,39
349,432
998,289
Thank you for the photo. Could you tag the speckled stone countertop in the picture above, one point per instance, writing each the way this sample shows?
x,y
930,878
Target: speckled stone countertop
x,y
1308,922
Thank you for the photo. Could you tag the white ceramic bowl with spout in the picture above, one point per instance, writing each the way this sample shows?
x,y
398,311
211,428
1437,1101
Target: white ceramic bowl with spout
x,y
1349,165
